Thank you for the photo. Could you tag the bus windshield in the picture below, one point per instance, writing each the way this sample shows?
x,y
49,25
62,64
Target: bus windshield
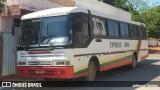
x,y
49,31
30,32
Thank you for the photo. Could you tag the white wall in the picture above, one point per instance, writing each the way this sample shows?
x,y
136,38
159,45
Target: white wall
x,y
6,23
9,54
34,5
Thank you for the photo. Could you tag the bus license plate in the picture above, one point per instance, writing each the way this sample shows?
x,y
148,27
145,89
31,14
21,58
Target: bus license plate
x,y
40,72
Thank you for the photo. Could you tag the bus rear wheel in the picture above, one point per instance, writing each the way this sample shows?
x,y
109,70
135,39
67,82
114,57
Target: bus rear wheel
x,y
134,62
91,72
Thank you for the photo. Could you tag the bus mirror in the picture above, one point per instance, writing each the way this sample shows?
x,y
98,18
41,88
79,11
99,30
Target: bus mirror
x,y
16,22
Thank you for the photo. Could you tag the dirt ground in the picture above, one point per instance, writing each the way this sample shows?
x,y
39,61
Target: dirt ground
x,y
154,50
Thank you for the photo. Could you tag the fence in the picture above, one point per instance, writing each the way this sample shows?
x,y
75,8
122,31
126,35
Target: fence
x,y
9,54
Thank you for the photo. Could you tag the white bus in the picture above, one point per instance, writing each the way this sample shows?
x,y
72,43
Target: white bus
x,y
73,42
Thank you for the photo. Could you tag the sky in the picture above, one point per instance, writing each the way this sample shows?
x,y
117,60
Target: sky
x,y
153,1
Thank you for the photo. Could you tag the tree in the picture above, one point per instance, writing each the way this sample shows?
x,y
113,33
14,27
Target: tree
x,y
1,5
117,3
141,12
133,6
151,18
136,7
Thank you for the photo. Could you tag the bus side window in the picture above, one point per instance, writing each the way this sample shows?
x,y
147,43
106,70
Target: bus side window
x,y
140,35
133,32
122,29
144,33
78,27
86,29
96,31
111,31
82,33
136,32
102,27
99,28
126,26
116,28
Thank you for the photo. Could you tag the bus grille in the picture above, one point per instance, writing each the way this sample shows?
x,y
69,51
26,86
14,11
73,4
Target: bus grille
x,y
40,63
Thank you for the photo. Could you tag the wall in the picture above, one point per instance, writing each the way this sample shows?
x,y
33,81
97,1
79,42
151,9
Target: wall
x,y
110,11
6,24
1,52
34,5
9,55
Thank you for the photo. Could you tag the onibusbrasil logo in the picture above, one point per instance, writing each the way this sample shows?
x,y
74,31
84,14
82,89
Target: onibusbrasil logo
x,y
15,84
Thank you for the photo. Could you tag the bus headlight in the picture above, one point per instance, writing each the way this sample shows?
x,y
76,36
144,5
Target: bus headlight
x,y
21,63
61,63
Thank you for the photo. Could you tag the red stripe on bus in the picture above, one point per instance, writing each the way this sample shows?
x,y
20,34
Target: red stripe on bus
x,y
123,63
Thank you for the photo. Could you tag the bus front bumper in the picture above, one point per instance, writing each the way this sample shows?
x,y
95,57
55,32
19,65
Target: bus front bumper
x,y
45,72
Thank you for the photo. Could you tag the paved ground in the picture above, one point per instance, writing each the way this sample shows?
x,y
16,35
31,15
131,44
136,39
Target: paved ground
x,y
145,71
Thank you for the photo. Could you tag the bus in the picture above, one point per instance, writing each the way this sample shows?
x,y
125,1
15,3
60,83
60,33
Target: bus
x,y
73,42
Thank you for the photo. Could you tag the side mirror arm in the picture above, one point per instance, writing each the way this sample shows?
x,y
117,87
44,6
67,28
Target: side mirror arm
x,y
13,30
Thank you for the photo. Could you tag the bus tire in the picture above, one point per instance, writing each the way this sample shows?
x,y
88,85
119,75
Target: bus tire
x,y
134,62
91,72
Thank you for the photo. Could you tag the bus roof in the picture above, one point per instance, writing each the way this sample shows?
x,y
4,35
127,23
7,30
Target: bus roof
x,y
53,12
66,10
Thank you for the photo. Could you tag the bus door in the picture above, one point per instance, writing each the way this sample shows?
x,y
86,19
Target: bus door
x,y
82,39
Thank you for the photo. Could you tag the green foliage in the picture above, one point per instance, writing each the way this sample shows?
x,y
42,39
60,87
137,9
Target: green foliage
x,y
141,12
151,18
1,5
117,3
136,7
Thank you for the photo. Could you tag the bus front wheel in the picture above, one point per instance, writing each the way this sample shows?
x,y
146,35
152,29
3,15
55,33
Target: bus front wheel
x,y
91,72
